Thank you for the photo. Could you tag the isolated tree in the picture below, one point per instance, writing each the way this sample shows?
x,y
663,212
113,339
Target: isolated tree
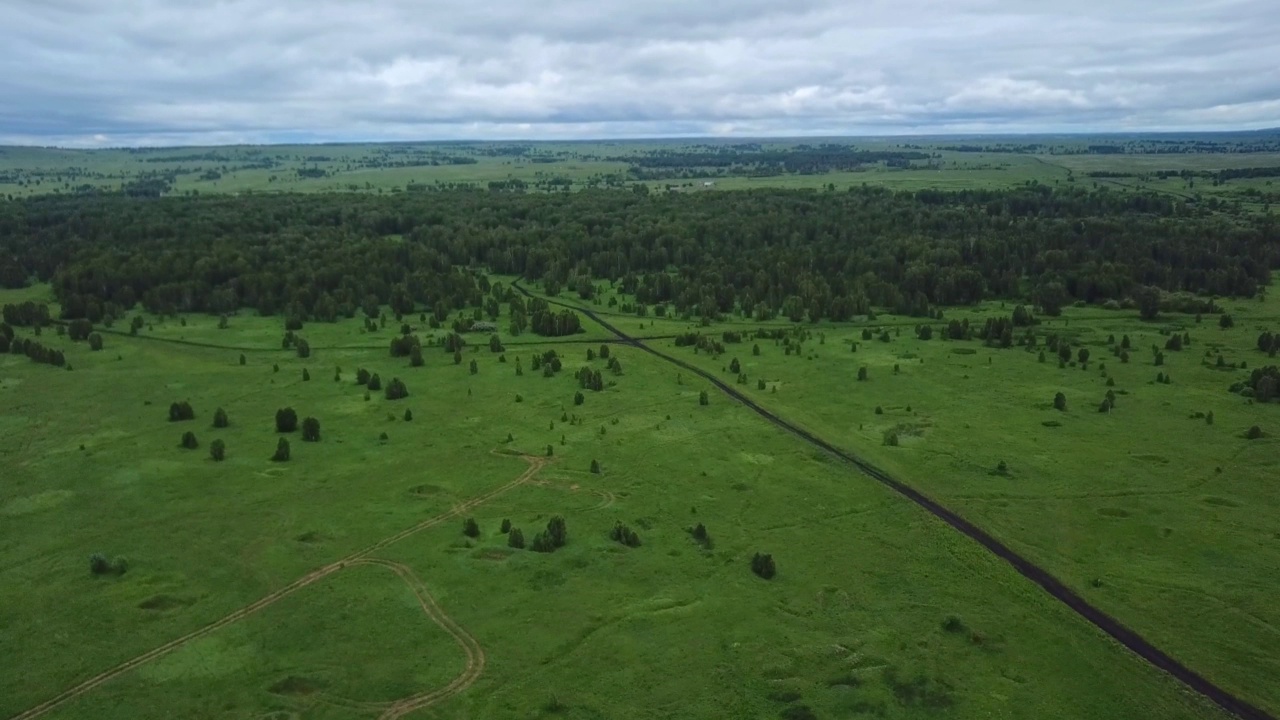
x,y
408,415
1060,402
703,398
579,398
189,440
862,373
415,356
375,382
735,367
220,418
303,347
515,538
217,450
457,357
1253,433
1125,344
1148,302
1083,355
1225,321
595,467
286,420
95,341
311,430
505,527
700,534
306,375
471,528
362,376
762,565
475,367
282,451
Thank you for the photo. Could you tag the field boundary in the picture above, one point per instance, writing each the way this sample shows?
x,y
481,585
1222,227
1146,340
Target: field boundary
x,y
357,557
1126,636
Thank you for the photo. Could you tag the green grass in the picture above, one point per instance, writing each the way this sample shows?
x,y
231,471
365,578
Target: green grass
x,y
853,625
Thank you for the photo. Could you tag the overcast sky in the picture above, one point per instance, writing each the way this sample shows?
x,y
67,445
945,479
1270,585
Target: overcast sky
x,y
126,72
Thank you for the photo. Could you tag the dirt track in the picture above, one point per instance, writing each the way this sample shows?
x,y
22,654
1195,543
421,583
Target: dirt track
x,y
475,656
1127,637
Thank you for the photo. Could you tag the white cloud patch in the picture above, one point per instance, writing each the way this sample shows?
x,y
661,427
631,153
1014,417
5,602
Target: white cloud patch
x,y
153,71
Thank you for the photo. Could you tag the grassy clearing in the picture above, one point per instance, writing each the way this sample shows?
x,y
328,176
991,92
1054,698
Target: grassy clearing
x,y
876,610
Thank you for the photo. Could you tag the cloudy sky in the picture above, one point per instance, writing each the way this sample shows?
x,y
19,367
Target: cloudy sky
x,y
117,72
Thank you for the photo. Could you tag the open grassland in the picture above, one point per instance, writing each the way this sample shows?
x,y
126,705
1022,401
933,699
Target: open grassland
x,y
1155,514
877,610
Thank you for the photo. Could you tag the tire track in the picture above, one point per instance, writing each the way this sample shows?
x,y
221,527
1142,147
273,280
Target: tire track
x,y
535,464
1121,633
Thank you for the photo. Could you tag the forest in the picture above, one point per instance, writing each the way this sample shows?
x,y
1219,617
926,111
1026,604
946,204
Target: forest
x,y
806,255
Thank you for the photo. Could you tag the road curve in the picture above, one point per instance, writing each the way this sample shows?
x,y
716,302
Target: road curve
x,y
1127,637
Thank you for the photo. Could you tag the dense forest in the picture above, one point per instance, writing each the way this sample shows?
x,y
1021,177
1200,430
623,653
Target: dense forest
x,y
805,255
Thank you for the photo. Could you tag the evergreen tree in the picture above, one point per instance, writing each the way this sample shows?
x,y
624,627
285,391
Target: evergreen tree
x,y
471,528
282,451
475,367
505,527
95,342
762,565
220,418
1060,402
595,467
306,376
408,415
862,373
311,430
515,538
286,420
217,450
375,382
557,531
415,356
189,440
579,398
397,390
703,398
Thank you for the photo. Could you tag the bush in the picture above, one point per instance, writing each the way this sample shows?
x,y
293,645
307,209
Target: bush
x,y
625,535
953,624
217,450
762,565
286,420
1254,433
879,410
189,440
470,528
515,538
311,430
99,564
282,451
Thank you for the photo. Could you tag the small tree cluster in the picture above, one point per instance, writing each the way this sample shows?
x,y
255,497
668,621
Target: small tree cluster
x,y
625,535
180,411
555,536
100,564
515,538
397,390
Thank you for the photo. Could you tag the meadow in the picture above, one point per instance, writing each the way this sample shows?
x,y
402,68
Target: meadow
x,y
876,610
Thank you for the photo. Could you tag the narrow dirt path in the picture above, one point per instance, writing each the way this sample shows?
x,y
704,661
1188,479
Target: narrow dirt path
x,y
535,464
1127,637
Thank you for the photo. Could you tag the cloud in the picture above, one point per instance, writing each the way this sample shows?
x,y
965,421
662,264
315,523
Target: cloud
x,y
85,72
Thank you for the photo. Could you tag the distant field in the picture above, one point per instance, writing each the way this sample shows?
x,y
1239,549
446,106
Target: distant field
x,y
574,166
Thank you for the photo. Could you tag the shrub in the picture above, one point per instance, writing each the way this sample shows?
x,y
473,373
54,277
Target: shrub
x,y
99,564
470,528
700,535
217,450
286,420
515,538
762,565
189,440
311,430
625,535
1253,433
282,451
953,624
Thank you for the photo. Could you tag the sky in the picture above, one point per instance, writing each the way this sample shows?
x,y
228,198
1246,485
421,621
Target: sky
x,y
86,73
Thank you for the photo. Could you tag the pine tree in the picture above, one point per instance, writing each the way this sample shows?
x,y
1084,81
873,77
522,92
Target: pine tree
x,y
595,467
306,376
408,415
515,538
505,527
286,420
282,451
1060,402
703,398
762,565
471,528
311,430
189,440
217,450
220,418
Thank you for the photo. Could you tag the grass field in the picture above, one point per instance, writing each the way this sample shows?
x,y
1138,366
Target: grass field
x,y
877,610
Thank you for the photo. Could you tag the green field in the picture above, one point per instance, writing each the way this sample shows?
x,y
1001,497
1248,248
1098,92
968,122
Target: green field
x,y
877,609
